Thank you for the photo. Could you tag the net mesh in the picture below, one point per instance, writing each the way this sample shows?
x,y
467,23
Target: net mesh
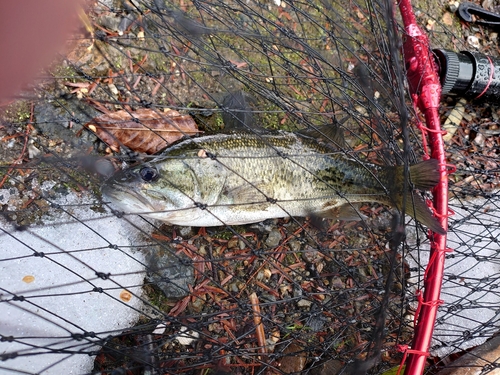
x,y
87,288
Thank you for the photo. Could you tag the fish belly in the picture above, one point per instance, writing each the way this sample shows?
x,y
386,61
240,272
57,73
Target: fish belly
x,y
240,214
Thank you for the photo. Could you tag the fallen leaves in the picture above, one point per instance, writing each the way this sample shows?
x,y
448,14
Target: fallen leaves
x,y
144,130
447,18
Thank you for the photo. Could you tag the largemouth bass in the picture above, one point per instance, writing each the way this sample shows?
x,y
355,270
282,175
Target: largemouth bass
x,y
230,179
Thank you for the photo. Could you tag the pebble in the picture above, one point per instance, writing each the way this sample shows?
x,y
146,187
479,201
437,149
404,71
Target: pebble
x,y
473,41
274,238
479,140
453,6
104,167
110,22
186,336
33,152
311,255
185,231
260,275
304,303
167,271
4,196
294,245
297,292
242,244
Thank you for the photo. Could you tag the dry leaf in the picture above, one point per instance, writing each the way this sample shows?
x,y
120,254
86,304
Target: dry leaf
x,y
145,130
294,359
447,19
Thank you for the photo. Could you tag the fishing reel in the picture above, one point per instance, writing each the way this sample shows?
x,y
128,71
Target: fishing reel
x,y
469,74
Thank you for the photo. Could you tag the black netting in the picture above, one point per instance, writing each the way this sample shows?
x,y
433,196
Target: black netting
x,y
88,288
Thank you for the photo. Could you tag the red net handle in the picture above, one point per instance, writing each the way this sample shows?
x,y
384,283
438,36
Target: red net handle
x,y
425,89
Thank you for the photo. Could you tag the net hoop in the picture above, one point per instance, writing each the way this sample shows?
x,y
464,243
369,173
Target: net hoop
x,y
425,90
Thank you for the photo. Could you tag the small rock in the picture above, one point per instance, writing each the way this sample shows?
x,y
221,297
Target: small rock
x,y
186,336
447,19
169,272
110,22
304,303
274,238
160,329
311,255
4,196
479,140
294,245
473,41
125,22
430,24
337,283
114,90
186,231
316,323
104,167
297,292
33,152
453,5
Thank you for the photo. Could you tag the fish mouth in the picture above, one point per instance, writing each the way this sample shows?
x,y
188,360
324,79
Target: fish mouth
x,y
125,198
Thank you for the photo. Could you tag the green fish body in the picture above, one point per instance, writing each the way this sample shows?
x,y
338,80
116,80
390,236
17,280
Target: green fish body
x,y
231,179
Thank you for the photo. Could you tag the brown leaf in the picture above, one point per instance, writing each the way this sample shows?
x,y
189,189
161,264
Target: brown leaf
x,y
145,130
447,19
294,359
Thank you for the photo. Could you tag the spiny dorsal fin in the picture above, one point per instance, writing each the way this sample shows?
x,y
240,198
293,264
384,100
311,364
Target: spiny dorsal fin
x,y
330,134
237,113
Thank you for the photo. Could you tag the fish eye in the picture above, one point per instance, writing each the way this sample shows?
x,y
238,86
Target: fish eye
x,y
149,174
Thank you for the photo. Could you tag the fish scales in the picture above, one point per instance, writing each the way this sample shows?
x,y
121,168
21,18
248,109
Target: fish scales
x,y
284,161
245,178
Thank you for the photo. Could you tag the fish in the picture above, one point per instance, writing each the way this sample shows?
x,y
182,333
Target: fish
x,y
243,178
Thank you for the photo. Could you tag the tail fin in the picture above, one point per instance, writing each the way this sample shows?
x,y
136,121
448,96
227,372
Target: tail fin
x,y
425,175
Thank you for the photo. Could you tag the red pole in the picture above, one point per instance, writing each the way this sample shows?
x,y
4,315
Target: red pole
x,y
425,89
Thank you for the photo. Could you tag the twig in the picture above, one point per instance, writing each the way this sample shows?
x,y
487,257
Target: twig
x,y
257,319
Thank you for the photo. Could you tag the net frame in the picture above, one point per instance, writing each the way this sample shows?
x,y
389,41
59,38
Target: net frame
x,y
425,88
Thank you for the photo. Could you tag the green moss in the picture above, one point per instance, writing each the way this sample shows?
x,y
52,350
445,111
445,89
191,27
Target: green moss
x,y
226,234
17,113
156,297
68,73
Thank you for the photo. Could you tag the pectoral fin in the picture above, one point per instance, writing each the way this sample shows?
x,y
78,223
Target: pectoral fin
x,y
346,212
247,193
